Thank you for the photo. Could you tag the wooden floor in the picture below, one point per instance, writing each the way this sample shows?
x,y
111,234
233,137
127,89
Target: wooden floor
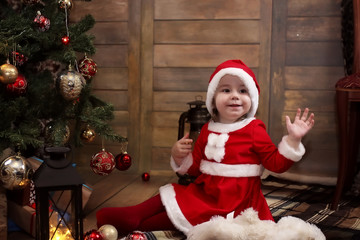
x,y
115,190
121,189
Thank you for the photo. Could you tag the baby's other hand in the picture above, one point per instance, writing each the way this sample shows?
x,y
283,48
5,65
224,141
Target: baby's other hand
x,y
300,127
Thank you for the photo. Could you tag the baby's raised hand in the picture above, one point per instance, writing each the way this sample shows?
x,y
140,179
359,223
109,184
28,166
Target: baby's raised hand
x,y
300,127
181,148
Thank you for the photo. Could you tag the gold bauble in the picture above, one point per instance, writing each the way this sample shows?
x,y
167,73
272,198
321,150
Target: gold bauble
x,y
8,73
15,172
70,84
88,134
68,4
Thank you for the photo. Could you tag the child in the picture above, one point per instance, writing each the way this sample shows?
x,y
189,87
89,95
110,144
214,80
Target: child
x,y
228,159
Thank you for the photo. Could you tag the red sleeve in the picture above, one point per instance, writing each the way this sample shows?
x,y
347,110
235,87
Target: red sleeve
x,y
268,153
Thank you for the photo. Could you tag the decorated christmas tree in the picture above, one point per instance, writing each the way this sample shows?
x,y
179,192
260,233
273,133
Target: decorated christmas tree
x,y
45,78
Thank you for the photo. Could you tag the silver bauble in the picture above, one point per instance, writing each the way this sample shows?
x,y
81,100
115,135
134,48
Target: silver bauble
x,y
15,172
70,84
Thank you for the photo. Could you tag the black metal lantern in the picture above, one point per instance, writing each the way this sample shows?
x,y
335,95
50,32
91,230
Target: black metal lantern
x,y
58,191
196,116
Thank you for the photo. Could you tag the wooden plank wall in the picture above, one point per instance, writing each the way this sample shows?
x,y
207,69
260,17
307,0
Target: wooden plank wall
x,y
155,56
189,42
306,63
113,82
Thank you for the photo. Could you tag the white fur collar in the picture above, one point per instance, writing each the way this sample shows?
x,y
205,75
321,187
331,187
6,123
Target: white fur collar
x,y
226,128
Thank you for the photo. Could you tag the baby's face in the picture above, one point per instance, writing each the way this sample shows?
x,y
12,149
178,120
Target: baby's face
x,y
232,99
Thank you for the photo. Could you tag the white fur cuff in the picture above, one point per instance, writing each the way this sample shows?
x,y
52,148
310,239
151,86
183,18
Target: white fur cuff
x,y
289,152
184,167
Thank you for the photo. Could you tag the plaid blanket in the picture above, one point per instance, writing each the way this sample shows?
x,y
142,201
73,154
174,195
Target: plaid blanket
x,y
308,202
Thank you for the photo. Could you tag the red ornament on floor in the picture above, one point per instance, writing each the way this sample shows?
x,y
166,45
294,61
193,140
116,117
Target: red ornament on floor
x,y
93,235
136,236
65,40
123,161
145,176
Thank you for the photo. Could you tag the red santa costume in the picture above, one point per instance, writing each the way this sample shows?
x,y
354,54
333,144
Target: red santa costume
x,y
228,160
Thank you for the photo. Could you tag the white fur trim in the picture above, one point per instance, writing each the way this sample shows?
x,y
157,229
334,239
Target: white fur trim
x,y
248,81
226,128
167,194
215,147
230,170
248,226
289,152
184,167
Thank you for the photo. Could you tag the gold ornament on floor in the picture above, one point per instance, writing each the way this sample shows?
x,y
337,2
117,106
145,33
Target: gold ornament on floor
x,y
15,172
8,73
88,134
70,84
68,4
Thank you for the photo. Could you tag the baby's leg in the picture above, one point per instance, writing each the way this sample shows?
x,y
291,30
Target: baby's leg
x,y
128,219
160,221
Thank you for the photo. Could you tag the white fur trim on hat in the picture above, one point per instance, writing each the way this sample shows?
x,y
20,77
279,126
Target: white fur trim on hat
x,y
248,81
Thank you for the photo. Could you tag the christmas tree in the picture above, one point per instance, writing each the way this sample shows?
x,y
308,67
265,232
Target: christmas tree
x,y
45,74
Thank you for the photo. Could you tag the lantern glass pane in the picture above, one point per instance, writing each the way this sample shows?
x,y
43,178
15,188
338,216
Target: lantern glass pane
x,y
61,218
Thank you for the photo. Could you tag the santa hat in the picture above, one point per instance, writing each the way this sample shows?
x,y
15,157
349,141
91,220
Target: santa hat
x,y
239,69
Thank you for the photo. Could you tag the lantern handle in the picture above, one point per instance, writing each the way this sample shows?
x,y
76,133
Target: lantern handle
x,y
182,119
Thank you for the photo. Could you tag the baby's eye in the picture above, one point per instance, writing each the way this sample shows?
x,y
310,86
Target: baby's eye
x,y
226,90
243,90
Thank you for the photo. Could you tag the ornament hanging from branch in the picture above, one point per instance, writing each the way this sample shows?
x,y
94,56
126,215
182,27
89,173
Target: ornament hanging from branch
x,y
88,134
70,84
43,23
20,59
123,160
66,4
102,163
87,67
65,40
8,73
18,87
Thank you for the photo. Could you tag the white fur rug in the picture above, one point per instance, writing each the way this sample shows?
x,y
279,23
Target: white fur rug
x,y
248,226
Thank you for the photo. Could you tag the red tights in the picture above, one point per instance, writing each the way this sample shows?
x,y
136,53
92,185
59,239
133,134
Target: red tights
x,y
147,216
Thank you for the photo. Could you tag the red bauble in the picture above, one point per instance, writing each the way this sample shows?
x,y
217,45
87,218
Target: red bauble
x,y
102,163
19,58
123,161
93,235
65,40
42,22
145,176
18,87
87,67
136,236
